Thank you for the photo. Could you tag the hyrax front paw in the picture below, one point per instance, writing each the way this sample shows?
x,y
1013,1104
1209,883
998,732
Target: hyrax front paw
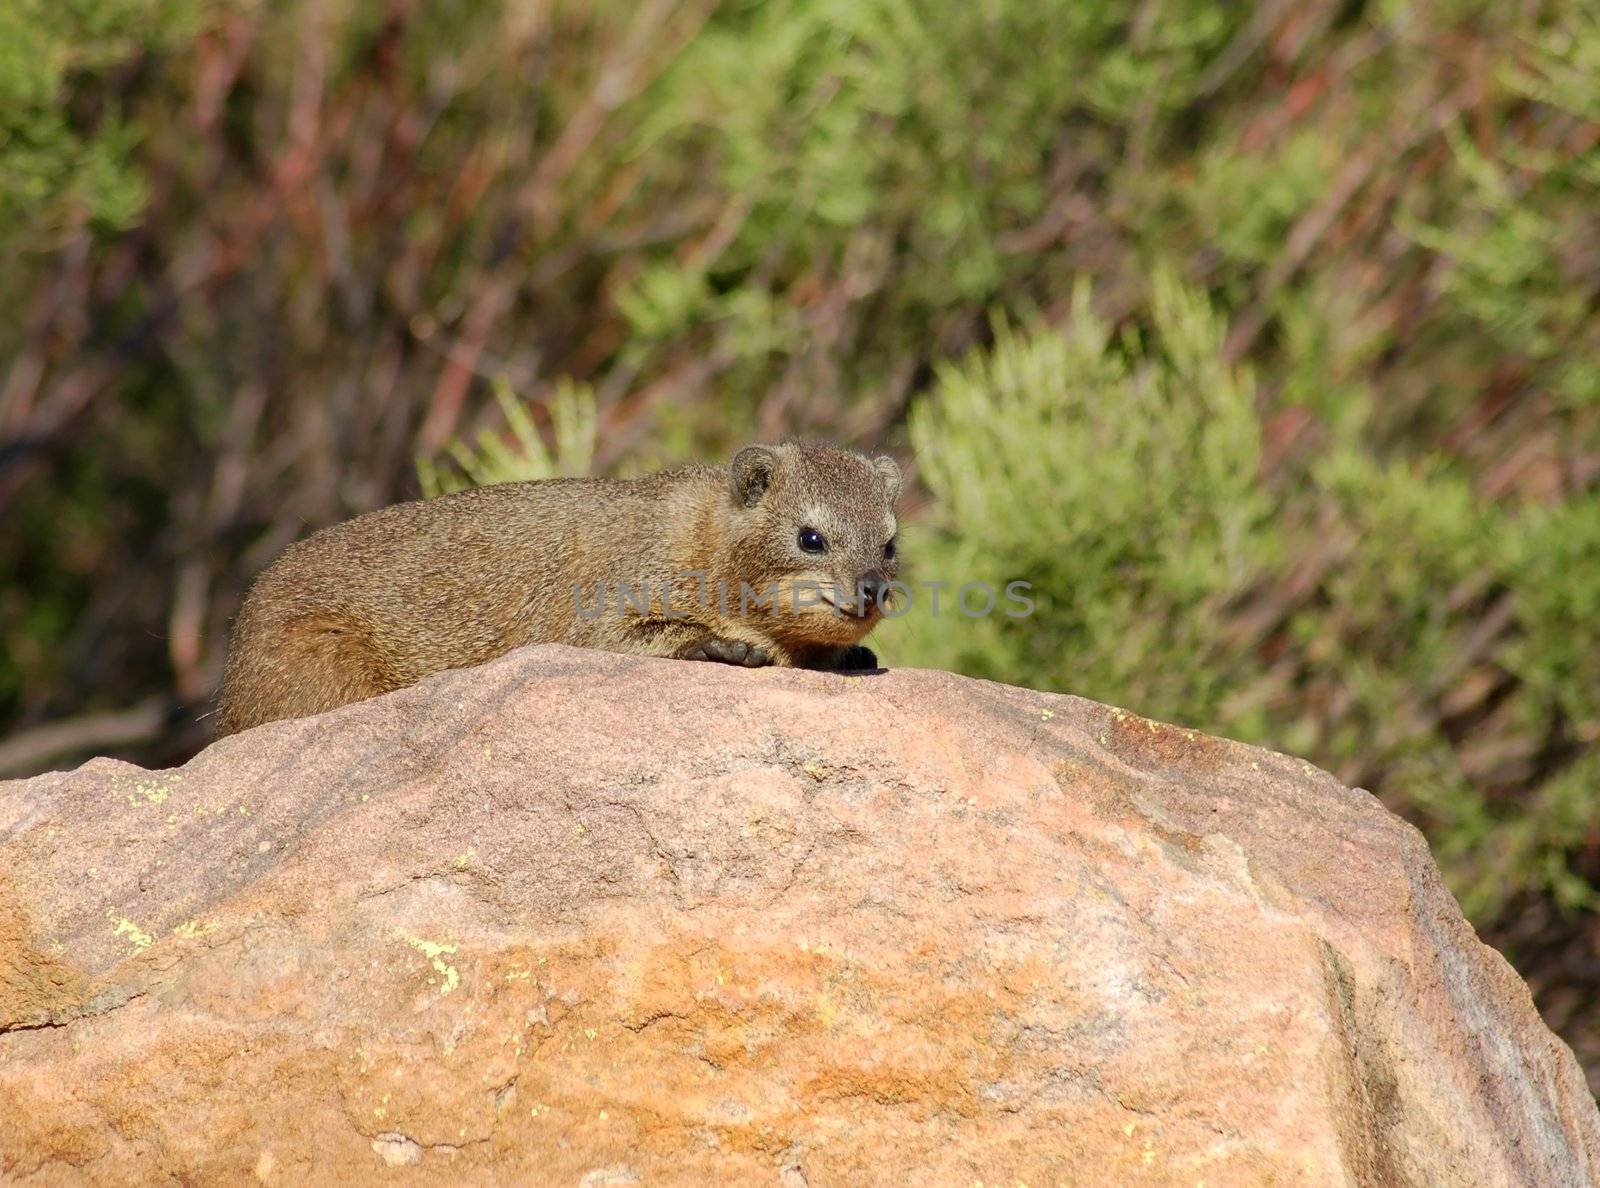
x,y
856,656
728,651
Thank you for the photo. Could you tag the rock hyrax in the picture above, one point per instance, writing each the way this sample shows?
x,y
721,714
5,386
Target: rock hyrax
x,y
783,557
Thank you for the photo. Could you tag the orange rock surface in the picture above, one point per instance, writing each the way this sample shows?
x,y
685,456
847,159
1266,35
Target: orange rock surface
x,y
576,918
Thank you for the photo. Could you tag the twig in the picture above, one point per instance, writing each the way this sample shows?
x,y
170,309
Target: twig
x,y
35,750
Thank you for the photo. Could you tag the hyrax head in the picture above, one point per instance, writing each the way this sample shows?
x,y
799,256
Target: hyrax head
x,y
814,527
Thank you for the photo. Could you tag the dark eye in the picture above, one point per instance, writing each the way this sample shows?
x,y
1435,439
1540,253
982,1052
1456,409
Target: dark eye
x,y
888,550
811,541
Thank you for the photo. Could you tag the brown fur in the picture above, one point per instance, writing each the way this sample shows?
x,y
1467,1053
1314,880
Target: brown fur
x,y
383,600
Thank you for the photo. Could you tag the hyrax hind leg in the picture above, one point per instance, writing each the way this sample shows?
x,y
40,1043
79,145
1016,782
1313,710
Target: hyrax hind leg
x,y
296,667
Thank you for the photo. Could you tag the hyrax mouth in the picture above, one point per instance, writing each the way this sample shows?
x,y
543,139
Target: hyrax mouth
x,y
831,597
861,607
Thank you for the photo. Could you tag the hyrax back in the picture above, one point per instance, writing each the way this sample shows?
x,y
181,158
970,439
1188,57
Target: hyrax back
x,y
785,557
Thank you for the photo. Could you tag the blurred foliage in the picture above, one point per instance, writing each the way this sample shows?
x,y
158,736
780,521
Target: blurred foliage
x,y
1118,475
518,454
64,151
1263,339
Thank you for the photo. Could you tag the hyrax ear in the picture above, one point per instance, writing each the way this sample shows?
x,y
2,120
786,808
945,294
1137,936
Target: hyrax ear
x,y
889,470
751,473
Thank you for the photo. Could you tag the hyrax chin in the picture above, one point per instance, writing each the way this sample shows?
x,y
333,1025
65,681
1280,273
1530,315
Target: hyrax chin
x,y
783,557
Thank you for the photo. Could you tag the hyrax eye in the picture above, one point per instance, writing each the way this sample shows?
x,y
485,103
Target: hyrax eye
x,y
888,549
812,541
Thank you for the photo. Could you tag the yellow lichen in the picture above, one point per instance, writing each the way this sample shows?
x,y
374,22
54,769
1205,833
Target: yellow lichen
x,y
138,937
149,793
826,1011
436,953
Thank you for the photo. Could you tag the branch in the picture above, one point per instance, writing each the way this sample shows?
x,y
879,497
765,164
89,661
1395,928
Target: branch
x,y
34,750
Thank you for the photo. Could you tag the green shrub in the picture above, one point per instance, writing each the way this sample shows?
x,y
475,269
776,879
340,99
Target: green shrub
x,y
519,454
1118,476
896,149
57,168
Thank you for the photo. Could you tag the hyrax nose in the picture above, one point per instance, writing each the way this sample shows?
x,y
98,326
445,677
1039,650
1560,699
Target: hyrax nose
x,y
873,590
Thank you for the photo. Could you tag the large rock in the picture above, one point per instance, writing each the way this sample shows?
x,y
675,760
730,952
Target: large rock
x,y
574,918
